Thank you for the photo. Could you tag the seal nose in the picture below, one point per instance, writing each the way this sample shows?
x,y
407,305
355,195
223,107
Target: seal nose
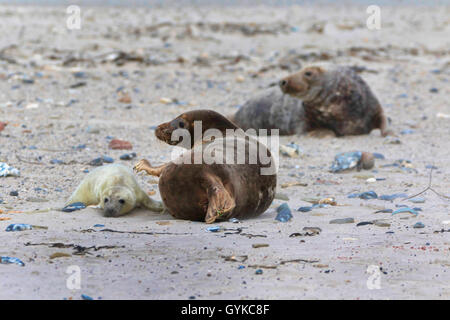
x,y
283,84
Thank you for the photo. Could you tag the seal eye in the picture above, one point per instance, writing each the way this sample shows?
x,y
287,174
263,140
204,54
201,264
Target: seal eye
x,y
181,124
308,73
121,201
106,200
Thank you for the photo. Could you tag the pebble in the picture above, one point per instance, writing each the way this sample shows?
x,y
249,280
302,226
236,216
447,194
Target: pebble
x,y
128,156
381,223
417,200
74,206
391,197
364,223
365,195
342,221
14,193
406,209
117,144
18,227
419,225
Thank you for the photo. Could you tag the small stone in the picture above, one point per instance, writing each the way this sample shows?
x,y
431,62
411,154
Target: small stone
x,y
419,225
342,221
117,144
259,245
364,223
14,193
128,156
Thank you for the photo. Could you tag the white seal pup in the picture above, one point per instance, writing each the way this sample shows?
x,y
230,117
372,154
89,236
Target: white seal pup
x,y
115,190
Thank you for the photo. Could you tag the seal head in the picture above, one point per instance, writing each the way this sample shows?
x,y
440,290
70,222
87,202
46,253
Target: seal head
x,y
183,127
117,201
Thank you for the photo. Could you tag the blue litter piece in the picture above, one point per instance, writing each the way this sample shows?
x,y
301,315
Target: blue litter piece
x,y
11,260
345,161
241,267
18,227
284,213
365,195
86,297
305,209
405,209
234,220
213,229
259,271
74,206
390,197
99,225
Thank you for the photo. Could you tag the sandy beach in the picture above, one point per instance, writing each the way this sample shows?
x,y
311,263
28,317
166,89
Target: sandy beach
x,y
66,93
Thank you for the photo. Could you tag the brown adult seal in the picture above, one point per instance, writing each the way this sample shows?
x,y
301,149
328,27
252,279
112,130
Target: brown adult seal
x,y
206,192
337,99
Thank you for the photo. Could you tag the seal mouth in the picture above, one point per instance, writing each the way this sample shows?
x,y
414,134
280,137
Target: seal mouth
x,y
164,133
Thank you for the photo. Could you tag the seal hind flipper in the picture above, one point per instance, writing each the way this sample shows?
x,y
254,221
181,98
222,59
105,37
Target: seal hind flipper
x,y
220,200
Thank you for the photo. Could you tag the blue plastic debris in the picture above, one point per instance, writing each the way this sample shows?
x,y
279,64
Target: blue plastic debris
x,y
11,260
346,161
406,209
284,213
74,206
234,220
86,297
365,195
18,227
390,197
6,170
305,209
377,155
417,200
99,225
213,229
241,267
259,271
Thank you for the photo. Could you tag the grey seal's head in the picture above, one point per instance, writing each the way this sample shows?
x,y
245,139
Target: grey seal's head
x,y
117,201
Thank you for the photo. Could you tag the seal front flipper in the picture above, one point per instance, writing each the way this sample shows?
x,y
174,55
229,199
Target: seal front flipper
x,y
144,165
220,200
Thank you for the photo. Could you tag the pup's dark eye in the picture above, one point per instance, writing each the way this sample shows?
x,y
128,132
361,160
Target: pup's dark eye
x,y
181,124
308,73
106,200
121,201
